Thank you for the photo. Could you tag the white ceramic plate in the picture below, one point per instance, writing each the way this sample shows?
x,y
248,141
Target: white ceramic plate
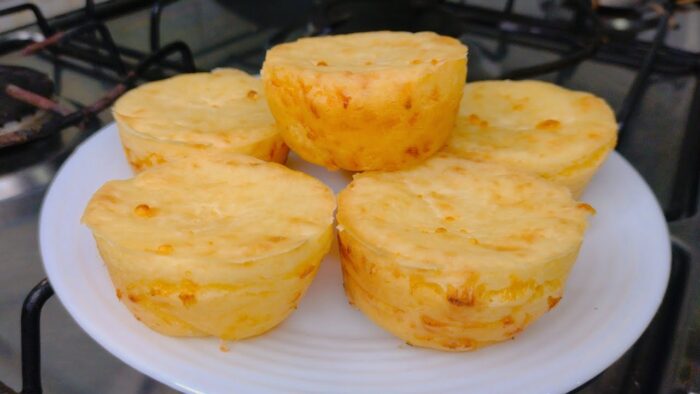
x,y
327,346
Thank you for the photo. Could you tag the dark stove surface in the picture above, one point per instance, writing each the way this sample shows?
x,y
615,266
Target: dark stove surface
x,y
660,136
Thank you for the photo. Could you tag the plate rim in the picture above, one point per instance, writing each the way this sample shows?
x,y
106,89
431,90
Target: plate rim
x,y
102,338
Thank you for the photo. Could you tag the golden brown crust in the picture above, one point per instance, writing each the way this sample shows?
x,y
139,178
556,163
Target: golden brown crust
x,y
223,245
190,114
454,254
381,100
559,134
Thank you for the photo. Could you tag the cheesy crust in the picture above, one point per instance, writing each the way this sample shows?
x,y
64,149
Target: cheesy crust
x,y
366,101
191,114
559,134
223,246
454,254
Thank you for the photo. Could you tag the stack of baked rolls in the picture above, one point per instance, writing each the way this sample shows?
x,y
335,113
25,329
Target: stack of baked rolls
x,y
461,232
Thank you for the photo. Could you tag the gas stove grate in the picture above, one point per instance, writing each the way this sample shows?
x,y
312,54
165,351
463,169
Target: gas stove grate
x,y
61,44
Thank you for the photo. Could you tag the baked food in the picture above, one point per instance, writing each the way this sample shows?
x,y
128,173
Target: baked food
x,y
560,134
223,245
190,114
453,254
366,101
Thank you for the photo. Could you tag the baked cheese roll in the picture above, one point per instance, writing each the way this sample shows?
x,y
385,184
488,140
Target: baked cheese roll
x,y
190,114
366,101
220,246
454,254
559,134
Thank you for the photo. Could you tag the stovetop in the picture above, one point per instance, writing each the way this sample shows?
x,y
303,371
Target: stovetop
x,y
645,62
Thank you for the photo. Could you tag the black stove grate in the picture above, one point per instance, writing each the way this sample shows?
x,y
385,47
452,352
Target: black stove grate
x,y
62,45
666,358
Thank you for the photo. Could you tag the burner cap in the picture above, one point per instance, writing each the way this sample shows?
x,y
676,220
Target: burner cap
x,y
25,78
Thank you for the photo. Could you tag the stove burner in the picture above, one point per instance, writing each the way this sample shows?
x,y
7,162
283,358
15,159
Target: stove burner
x,y
26,112
28,167
11,109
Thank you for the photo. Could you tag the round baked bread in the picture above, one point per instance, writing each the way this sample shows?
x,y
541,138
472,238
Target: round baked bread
x,y
219,246
366,101
190,114
454,254
559,134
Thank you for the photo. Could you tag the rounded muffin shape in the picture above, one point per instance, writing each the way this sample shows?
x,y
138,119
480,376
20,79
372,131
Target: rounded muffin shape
x,y
222,246
559,134
191,114
453,254
366,101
